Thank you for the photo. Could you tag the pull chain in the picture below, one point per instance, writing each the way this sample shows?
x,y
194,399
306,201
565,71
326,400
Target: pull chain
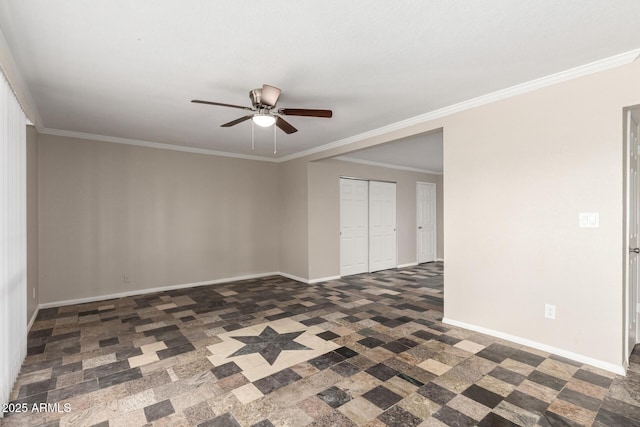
x,y
252,136
275,144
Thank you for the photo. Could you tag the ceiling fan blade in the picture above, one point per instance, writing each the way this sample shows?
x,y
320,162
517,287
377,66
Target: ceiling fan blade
x,y
197,101
305,112
236,121
270,95
285,125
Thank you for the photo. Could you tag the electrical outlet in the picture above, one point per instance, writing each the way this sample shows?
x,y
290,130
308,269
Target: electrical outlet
x,y
126,278
550,311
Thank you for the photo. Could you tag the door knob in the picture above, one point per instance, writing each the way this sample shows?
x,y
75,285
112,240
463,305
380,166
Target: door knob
x,y
635,250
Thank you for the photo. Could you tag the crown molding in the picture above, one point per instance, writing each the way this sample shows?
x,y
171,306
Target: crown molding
x,y
572,73
9,67
384,165
150,144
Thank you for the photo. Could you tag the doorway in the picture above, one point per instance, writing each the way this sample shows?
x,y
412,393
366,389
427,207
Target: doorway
x,y
382,226
426,221
354,226
367,226
632,227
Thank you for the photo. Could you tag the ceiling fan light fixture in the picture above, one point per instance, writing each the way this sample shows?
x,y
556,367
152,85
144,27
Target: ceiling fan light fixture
x,y
263,120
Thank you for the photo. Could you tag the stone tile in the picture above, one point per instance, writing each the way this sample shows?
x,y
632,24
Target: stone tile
x,y
119,377
98,361
586,388
199,413
608,418
572,412
538,391
378,355
315,407
494,420
579,399
345,369
226,370
436,393
360,411
450,416
224,420
82,388
396,416
507,376
334,397
527,402
469,407
382,397
333,419
516,415
547,380
557,369
158,410
247,393
419,406
37,387
470,346
593,378
434,366
137,401
381,372
483,396
359,384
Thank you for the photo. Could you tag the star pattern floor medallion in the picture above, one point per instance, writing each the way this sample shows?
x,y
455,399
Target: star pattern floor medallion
x,y
269,344
263,349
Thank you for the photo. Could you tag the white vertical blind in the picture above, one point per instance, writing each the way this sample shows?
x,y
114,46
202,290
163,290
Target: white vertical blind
x,y
13,239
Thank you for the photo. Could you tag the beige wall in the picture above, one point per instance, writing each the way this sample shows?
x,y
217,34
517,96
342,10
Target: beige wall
x,y
161,217
518,172
324,211
294,221
32,222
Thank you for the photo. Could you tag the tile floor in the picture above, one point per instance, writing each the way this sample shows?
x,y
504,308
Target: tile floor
x,y
367,350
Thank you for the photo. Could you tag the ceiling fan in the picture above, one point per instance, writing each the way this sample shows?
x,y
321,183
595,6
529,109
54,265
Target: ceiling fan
x,y
263,110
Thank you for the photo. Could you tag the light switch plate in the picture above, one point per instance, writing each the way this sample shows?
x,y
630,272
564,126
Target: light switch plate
x,y
589,220
550,311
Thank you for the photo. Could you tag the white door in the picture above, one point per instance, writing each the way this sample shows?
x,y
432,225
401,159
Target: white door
x,y
382,226
633,226
354,226
426,221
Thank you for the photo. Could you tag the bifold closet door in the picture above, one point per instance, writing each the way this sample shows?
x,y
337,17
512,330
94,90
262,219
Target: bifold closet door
x,y
354,226
382,226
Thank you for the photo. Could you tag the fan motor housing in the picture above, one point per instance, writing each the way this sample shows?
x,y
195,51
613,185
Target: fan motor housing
x,y
256,98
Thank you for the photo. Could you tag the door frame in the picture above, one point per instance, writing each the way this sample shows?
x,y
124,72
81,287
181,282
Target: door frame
x,y
435,221
373,269
341,207
628,291
368,180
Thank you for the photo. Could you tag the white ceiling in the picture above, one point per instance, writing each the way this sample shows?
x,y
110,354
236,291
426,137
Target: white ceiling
x,y
128,69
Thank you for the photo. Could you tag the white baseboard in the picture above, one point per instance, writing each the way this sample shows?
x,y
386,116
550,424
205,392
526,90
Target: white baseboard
x,y
607,366
409,264
440,259
293,277
308,281
33,318
152,290
323,279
